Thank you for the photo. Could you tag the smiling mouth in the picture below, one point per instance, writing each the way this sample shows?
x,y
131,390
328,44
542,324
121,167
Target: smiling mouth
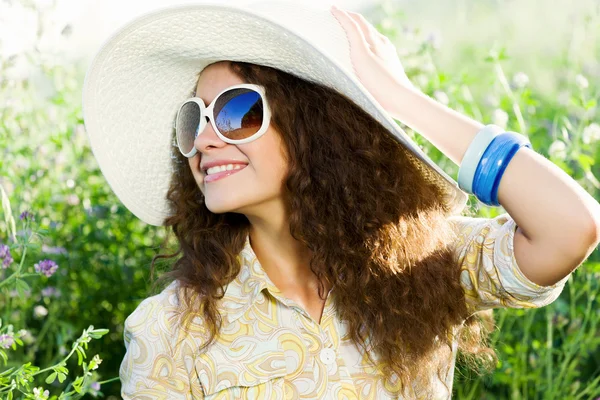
x,y
222,174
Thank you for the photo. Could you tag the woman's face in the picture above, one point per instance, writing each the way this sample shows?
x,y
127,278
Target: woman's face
x,y
256,188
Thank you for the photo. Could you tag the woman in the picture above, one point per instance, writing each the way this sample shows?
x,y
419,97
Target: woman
x,y
317,257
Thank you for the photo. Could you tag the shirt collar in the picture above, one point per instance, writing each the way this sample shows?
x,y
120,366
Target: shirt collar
x,y
245,289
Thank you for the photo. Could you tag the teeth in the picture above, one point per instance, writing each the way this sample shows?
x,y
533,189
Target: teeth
x,y
222,168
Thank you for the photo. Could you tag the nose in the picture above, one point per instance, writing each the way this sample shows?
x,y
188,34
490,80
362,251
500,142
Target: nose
x,y
208,138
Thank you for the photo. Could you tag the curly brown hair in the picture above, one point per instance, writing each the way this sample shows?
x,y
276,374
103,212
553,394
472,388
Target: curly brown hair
x,y
378,232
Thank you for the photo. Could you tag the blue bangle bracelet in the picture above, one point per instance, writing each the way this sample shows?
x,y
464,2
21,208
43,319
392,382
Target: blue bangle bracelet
x,y
493,163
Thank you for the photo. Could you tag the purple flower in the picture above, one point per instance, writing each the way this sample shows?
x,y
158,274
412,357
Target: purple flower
x,y
6,262
26,215
50,291
5,256
6,341
4,250
95,386
53,250
46,267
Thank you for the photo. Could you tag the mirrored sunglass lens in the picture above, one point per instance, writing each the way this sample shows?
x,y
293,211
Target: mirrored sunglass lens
x,y
188,122
239,113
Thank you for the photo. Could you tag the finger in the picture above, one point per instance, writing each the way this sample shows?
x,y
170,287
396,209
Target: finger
x,y
372,35
352,28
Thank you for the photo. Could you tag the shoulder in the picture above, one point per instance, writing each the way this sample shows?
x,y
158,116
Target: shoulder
x,y
158,317
159,353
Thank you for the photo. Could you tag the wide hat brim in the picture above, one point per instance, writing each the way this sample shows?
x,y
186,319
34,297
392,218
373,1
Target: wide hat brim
x,y
143,72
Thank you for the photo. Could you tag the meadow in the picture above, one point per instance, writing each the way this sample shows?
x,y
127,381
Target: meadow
x,y
74,262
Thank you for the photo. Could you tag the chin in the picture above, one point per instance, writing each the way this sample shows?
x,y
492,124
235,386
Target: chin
x,y
220,207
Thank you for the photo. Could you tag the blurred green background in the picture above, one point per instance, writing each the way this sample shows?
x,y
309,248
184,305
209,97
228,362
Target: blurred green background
x,y
530,66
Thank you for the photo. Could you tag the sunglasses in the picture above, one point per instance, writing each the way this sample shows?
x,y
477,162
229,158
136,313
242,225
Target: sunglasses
x,y
239,114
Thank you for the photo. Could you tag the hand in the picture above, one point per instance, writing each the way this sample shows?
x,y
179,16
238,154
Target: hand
x,y
374,57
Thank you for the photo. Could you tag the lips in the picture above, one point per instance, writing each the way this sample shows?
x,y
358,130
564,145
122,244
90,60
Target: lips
x,y
222,175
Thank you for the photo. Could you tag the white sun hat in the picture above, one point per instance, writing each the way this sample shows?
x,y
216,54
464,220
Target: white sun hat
x,y
144,71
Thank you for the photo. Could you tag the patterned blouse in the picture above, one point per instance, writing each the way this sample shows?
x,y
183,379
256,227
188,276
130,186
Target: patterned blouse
x,y
270,348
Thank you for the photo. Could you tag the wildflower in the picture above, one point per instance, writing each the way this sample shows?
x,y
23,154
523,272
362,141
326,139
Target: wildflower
x,y
500,118
50,291
6,340
39,395
441,97
558,149
428,67
26,336
520,80
563,97
591,133
434,39
96,360
581,81
40,312
53,250
46,267
26,215
491,101
5,256
72,200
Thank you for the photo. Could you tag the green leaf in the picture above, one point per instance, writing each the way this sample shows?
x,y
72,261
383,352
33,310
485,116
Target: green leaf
x,y
22,287
61,377
51,378
590,104
585,160
79,356
77,384
98,333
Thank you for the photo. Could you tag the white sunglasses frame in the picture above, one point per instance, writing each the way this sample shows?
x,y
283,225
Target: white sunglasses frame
x,y
208,111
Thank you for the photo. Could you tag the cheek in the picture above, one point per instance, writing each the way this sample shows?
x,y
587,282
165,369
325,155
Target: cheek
x,y
272,161
193,165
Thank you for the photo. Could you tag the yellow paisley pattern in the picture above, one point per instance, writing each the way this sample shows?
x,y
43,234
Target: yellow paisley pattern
x,y
270,348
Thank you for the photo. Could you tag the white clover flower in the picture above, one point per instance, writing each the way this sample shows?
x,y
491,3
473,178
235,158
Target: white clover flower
x,y
563,97
40,393
421,81
500,118
427,67
558,149
441,97
387,23
40,311
581,81
520,80
591,133
491,101
72,199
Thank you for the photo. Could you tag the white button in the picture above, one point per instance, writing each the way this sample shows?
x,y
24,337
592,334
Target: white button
x,y
327,356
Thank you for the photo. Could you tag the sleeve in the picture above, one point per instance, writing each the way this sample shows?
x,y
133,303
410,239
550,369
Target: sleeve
x,y
154,366
489,274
